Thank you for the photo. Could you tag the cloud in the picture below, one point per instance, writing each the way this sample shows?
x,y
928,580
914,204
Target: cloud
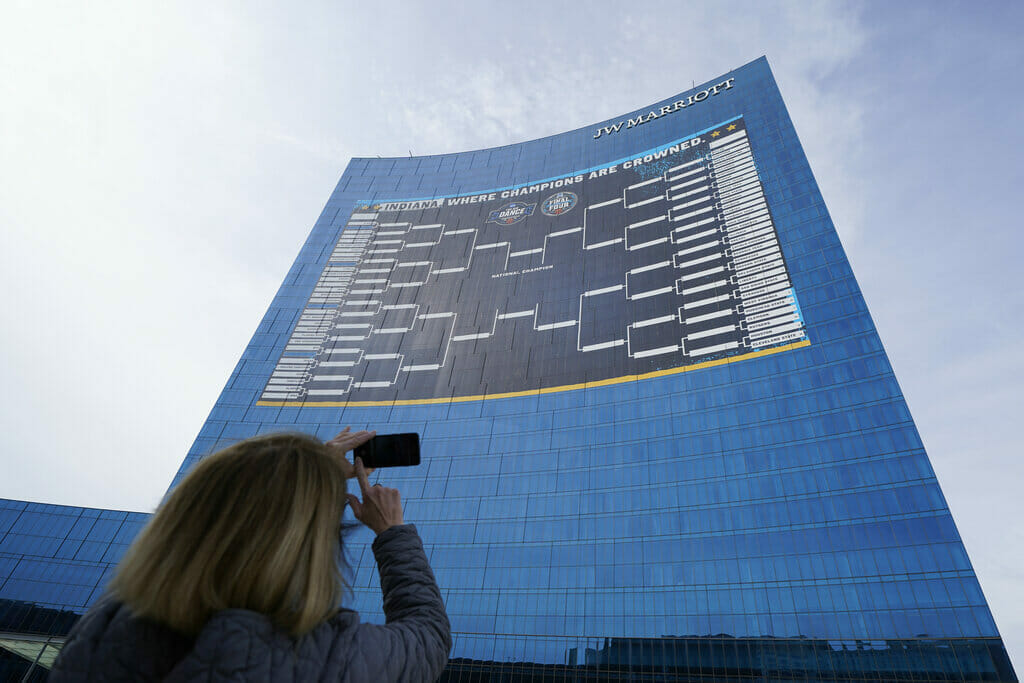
x,y
570,71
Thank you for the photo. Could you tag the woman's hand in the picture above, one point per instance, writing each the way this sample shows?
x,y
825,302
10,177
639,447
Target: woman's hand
x,y
346,441
381,507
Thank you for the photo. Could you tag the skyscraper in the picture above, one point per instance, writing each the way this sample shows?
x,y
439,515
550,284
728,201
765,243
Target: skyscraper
x,y
661,436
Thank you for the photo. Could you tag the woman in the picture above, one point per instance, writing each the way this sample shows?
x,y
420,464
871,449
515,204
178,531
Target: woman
x,y
236,577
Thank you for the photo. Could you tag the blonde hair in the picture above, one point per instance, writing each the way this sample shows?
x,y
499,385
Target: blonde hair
x,y
255,526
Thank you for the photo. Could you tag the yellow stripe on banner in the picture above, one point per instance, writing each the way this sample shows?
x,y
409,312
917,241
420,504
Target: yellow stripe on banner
x,y
536,392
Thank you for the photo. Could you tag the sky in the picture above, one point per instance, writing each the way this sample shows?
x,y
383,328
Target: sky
x,y
162,163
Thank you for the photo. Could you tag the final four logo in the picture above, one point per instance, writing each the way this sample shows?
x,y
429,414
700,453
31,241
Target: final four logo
x,y
511,213
558,203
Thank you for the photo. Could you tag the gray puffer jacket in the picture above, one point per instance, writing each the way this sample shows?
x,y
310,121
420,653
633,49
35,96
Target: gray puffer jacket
x,y
110,644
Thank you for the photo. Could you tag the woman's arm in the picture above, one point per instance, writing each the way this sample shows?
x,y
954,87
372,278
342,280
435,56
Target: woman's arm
x,y
416,619
414,644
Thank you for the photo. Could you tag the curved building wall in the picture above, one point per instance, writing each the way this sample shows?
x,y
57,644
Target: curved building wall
x,y
659,430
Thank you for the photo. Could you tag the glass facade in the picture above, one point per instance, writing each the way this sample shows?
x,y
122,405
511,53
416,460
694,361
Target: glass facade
x,y
661,438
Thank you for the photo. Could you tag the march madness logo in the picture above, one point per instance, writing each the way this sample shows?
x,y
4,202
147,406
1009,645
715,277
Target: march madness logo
x,y
558,203
511,213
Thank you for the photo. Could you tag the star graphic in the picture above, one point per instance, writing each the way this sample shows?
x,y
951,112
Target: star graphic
x,y
715,134
731,127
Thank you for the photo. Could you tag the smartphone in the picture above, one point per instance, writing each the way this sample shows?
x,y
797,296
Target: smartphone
x,y
390,450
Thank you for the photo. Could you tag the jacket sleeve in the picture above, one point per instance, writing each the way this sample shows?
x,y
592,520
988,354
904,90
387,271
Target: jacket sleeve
x,y
414,644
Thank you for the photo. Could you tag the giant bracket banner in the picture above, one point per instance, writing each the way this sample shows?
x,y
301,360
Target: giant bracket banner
x,y
664,262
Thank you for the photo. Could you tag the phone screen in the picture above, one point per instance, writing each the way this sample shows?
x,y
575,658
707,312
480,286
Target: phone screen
x,y
390,450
